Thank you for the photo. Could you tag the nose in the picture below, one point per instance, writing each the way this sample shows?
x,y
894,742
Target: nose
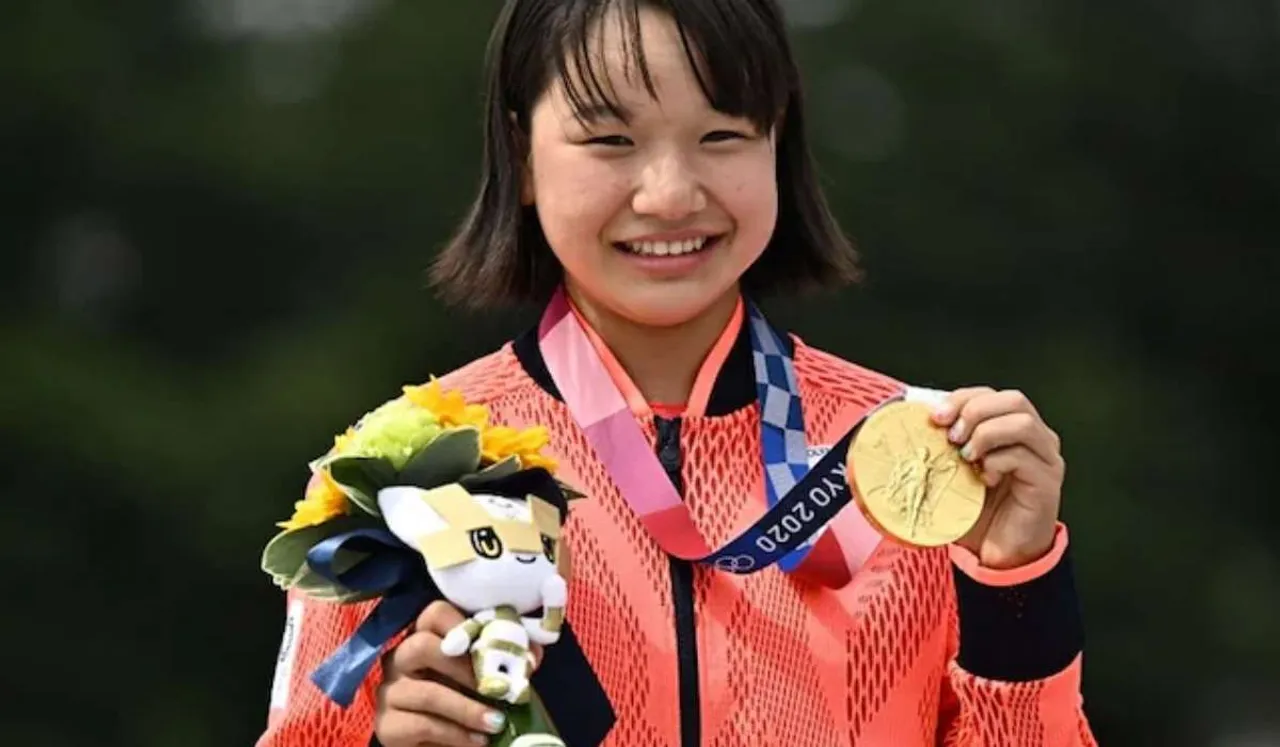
x,y
668,189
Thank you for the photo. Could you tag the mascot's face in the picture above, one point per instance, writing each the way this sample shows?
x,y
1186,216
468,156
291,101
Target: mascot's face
x,y
482,550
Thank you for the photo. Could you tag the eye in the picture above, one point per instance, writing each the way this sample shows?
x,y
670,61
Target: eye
x,y
486,543
612,141
549,548
720,136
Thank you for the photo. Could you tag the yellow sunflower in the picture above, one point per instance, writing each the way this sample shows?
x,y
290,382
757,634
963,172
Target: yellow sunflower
x,y
448,407
323,501
500,442
497,442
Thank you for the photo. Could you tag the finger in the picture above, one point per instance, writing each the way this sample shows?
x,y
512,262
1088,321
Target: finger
x,y
984,407
1022,464
1013,429
437,699
420,730
420,654
945,413
536,649
439,617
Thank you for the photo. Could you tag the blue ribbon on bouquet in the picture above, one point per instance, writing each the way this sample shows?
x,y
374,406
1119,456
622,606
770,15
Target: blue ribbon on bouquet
x,y
392,568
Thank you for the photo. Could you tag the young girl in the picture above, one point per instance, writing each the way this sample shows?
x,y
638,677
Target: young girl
x,y
646,177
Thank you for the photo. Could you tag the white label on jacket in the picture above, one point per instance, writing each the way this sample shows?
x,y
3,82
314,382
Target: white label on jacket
x,y
288,651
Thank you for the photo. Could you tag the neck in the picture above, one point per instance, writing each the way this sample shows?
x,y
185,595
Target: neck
x,y
662,361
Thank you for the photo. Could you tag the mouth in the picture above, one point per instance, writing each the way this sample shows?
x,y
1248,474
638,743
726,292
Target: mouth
x,y
526,559
673,248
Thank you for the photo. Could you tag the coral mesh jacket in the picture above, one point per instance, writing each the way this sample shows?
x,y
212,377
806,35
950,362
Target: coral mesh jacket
x,y
920,647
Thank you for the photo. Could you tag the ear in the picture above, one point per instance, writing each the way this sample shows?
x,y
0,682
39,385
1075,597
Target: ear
x,y
526,186
526,181
407,515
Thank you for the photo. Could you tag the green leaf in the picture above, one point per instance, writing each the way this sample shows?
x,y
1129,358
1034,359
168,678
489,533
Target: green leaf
x,y
287,551
318,587
451,456
285,554
362,478
506,467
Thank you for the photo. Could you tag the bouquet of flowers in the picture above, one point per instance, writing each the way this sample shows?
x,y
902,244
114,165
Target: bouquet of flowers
x,y
424,499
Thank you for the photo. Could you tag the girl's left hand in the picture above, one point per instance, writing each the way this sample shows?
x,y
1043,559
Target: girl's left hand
x,y
1020,461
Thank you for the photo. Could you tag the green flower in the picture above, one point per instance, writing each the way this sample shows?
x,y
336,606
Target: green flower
x,y
395,432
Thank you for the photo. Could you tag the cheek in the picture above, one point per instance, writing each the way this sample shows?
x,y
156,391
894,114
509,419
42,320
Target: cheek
x,y
575,199
452,582
748,191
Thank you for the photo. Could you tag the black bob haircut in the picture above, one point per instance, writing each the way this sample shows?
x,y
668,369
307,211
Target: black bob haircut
x,y
741,56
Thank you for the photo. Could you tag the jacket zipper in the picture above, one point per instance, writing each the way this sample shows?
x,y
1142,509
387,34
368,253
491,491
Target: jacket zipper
x,y
668,448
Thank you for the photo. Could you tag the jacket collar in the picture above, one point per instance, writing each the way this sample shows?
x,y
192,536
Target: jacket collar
x,y
734,388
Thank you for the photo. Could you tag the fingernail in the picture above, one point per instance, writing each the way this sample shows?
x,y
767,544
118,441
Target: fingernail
x,y
966,452
943,410
479,739
957,431
495,721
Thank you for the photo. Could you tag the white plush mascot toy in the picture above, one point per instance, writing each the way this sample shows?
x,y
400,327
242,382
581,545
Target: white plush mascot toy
x,y
491,548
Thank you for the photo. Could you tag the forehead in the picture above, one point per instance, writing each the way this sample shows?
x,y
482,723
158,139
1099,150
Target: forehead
x,y
594,56
504,508
629,64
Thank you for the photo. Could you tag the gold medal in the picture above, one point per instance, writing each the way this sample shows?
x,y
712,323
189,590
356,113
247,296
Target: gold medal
x,y
910,481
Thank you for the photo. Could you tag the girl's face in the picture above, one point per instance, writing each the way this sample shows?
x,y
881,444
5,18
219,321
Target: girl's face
x,y
654,218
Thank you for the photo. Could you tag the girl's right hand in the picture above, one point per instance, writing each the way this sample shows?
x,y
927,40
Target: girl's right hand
x,y
421,702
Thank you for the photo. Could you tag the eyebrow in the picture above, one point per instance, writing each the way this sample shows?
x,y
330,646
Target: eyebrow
x,y
596,112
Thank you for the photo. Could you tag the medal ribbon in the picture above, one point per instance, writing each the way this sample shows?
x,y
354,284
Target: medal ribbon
x,y
801,500
783,444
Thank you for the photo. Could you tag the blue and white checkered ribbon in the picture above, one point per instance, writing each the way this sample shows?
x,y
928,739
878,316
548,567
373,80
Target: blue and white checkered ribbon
x,y
782,439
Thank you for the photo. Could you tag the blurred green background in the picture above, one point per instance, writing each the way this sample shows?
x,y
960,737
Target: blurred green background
x,y
216,216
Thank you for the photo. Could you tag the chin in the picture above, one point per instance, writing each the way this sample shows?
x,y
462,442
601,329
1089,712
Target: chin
x,y
667,304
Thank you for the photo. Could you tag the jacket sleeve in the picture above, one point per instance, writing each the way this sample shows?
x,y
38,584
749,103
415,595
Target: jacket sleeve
x,y
300,715
1015,656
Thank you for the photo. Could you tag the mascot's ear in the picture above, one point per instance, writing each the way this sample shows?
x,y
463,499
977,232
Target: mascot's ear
x,y
408,515
520,485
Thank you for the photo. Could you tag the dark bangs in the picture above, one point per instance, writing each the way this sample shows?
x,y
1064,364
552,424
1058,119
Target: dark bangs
x,y
734,48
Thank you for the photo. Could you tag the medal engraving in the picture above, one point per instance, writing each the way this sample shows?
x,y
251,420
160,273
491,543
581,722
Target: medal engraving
x,y
910,482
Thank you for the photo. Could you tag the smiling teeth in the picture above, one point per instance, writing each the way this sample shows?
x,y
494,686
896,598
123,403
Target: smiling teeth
x,y
666,248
